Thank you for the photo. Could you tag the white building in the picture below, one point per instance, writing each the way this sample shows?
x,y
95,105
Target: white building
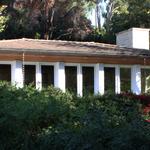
x,y
134,38
79,66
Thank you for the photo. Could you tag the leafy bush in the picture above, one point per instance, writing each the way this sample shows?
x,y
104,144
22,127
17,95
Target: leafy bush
x,y
144,99
25,112
100,122
50,119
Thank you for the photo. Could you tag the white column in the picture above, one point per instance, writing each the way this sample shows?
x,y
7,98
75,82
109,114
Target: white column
x,y
117,79
17,74
38,77
136,79
59,75
79,80
99,79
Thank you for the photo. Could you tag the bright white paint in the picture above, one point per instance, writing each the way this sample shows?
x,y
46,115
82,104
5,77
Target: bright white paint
x,y
79,80
17,74
141,38
134,38
117,79
6,62
59,75
96,79
99,79
38,77
136,79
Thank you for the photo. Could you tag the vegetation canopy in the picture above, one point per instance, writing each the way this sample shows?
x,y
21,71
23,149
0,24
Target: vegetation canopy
x,y
67,19
51,119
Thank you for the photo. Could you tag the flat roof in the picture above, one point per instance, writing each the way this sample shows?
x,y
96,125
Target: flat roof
x,y
57,47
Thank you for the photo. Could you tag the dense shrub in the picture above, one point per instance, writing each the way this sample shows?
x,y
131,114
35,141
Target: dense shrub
x,y
50,119
144,99
25,112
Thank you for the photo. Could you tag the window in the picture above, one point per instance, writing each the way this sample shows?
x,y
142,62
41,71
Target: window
x,y
109,74
29,74
145,80
5,73
47,76
71,78
88,80
125,78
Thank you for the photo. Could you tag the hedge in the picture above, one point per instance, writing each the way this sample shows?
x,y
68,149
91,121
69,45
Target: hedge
x,y
53,120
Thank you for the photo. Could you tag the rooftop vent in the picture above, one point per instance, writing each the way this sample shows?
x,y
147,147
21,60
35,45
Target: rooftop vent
x,y
134,38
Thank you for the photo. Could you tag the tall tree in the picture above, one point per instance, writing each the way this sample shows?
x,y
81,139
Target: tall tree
x,y
124,14
98,13
60,19
3,18
139,13
114,7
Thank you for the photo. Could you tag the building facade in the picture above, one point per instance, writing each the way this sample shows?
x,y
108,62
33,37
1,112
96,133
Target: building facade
x,y
80,67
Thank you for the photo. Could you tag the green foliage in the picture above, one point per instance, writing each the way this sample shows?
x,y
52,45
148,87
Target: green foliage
x,y
3,19
67,20
124,14
49,19
51,119
25,112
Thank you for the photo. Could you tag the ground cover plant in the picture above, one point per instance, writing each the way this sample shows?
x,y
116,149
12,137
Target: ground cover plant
x,y
53,120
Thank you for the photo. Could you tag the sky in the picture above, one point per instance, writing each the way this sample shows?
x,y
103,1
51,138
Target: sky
x,y
92,17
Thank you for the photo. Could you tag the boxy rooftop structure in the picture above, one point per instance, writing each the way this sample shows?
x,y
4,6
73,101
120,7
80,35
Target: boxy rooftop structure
x,y
79,66
134,38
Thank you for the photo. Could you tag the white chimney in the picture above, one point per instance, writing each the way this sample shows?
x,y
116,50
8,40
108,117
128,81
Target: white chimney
x,y
134,38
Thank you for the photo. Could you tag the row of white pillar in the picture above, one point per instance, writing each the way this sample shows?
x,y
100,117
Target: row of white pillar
x,y
59,77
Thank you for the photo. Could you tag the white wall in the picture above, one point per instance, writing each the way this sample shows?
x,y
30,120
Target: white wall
x,y
134,38
141,38
124,39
